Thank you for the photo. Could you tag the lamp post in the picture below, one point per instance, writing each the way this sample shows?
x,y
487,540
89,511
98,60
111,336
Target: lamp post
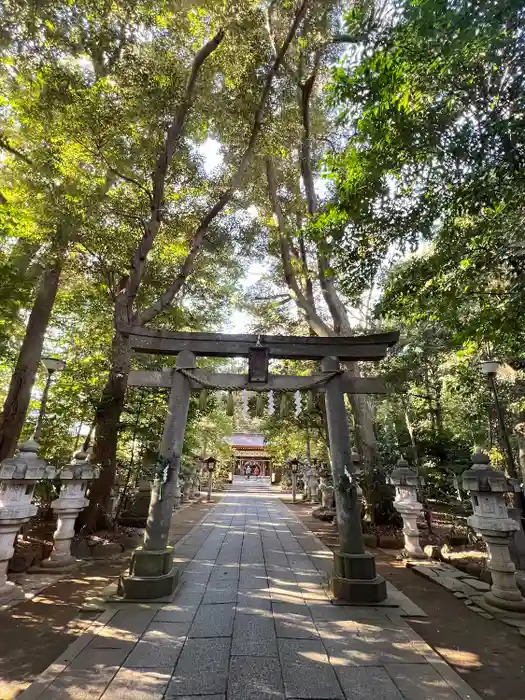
x,y
52,364
489,368
294,468
210,463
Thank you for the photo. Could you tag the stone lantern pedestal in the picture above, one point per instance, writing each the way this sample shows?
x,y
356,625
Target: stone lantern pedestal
x,y
18,476
490,518
67,506
405,481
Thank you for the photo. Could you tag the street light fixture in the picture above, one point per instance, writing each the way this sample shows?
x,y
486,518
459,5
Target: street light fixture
x,y
210,463
52,364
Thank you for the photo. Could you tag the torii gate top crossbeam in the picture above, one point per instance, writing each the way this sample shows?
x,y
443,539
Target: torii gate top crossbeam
x,y
359,347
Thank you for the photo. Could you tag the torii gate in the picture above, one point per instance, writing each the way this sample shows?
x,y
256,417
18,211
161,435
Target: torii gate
x,y
152,574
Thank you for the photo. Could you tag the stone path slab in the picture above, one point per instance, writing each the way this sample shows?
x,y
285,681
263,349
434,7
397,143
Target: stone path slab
x,y
466,588
252,620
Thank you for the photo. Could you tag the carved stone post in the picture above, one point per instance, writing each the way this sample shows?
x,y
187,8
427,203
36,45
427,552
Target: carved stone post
x,y
355,579
18,476
152,574
487,492
67,506
406,482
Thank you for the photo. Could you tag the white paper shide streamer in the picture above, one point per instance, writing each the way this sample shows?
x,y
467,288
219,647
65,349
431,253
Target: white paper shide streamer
x,y
271,405
245,403
298,406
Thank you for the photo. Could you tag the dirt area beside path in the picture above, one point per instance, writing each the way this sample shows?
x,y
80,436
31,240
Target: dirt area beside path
x,y
35,632
489,655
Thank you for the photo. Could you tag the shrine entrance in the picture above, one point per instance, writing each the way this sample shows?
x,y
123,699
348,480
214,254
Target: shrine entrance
x,y
152,574
249,450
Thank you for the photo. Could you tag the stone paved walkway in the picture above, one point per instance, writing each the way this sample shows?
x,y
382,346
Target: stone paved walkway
x,y
251,621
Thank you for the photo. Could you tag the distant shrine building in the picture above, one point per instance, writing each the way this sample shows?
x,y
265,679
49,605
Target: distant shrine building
x,y
249,448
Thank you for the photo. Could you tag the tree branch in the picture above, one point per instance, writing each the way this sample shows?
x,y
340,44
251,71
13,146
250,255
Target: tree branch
x,y
331,297
335,305
273,44
273,297
128,178
309,287
198,237
343,39
4,143
130,285
315,321
306,155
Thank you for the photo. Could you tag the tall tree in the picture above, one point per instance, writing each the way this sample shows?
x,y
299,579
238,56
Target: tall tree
x,y
43,45
292,177
128,310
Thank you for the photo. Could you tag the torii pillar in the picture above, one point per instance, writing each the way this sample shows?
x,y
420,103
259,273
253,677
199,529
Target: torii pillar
x,y
151,573
354,580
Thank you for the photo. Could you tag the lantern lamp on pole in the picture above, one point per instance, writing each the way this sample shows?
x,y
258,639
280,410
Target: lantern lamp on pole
x,y
52,365
210,463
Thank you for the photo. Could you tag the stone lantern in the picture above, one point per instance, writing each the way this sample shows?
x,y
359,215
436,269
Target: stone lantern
x,y
406,482
18,476
183,487
72,499
312,481
177,492
294,469
326,487
187,488
194,483
490,518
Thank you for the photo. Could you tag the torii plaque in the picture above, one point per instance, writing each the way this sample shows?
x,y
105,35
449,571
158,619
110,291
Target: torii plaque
x,y
152,575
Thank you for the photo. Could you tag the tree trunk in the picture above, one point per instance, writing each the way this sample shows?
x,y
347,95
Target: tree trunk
x,y
364,423
19,394
107,420
519,430
87,442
